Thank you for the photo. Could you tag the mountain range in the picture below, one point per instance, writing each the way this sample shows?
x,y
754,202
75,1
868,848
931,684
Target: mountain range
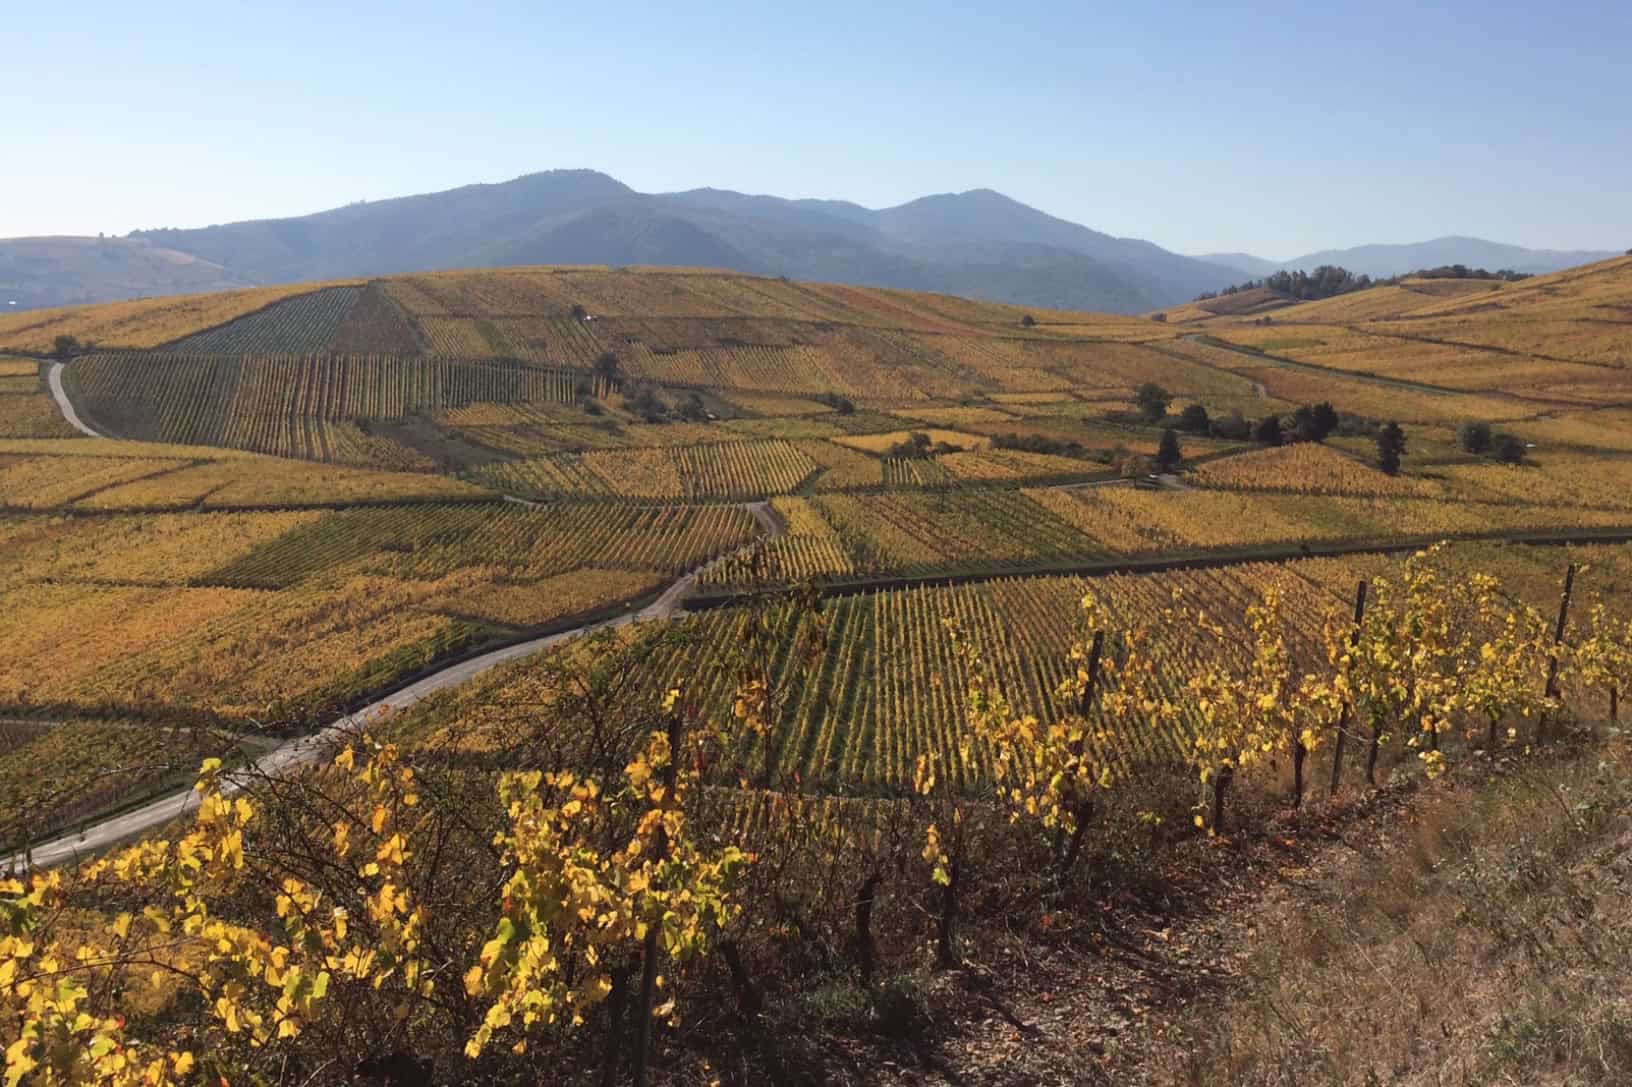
x,y
1380,261
978,243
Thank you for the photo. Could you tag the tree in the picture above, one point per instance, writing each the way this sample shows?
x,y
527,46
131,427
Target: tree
x,y
1390,447
1509,449
1136,466
579,312
1193,419
1233,427
1474,437
1168,454
608,369
1268,431
64,346
1312,422
1027,320
1152,401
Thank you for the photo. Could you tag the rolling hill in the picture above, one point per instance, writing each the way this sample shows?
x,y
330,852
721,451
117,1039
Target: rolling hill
x,y
60,271
978,243
470,522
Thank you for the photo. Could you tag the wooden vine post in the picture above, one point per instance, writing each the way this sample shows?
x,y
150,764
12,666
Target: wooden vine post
x,y
1348,703
1551,690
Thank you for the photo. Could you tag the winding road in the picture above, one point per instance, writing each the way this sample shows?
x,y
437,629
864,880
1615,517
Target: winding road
x,y
110,832
115,829
53,378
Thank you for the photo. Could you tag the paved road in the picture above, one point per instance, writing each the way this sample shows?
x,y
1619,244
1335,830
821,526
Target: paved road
x,y
54,379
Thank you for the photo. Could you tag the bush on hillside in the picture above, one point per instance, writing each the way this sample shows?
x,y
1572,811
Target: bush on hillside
x,y
1152,401
1509,449
1474,437
1232,427
1193,419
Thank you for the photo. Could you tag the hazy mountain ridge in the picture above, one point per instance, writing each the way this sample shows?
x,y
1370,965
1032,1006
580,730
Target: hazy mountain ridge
x,y
54,271
978,243
1381,261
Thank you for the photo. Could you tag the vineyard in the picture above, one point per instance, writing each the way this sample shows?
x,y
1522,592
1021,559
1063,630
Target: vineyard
x,y
302,406
1308,468
307,322
147,322
888,687
52,775
275,616
93,475
720,470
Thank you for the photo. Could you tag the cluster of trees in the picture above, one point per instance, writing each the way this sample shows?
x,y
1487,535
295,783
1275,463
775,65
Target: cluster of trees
x,y
1309,423
918,446
378,916
1329,281
1326,281
1462,271
1480,439
1037,443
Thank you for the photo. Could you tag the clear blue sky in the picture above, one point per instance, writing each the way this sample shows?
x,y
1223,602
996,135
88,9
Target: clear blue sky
x,y
1202,127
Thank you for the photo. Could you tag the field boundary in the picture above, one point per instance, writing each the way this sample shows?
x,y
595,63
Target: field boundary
x,y
1193,560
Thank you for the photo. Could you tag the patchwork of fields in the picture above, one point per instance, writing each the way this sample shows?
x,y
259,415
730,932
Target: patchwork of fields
x,y
302,501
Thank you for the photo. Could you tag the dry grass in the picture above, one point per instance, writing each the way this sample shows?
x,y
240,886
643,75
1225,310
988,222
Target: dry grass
x,y
1481,939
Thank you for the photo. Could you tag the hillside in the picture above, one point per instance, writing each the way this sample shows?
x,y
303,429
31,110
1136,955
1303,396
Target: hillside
x,y
1563,338
977,243
446,567
37,272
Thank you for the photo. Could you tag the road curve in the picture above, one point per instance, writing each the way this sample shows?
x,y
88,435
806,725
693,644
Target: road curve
x,y
53,378
103,835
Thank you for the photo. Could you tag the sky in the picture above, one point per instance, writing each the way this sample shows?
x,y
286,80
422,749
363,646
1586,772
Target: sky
x,y
1202,127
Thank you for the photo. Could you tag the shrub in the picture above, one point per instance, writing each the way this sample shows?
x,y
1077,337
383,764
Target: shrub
x,y
1474,437
1193,419
1509,449
1152,401
1232,427
648,405
1268,431
692,409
